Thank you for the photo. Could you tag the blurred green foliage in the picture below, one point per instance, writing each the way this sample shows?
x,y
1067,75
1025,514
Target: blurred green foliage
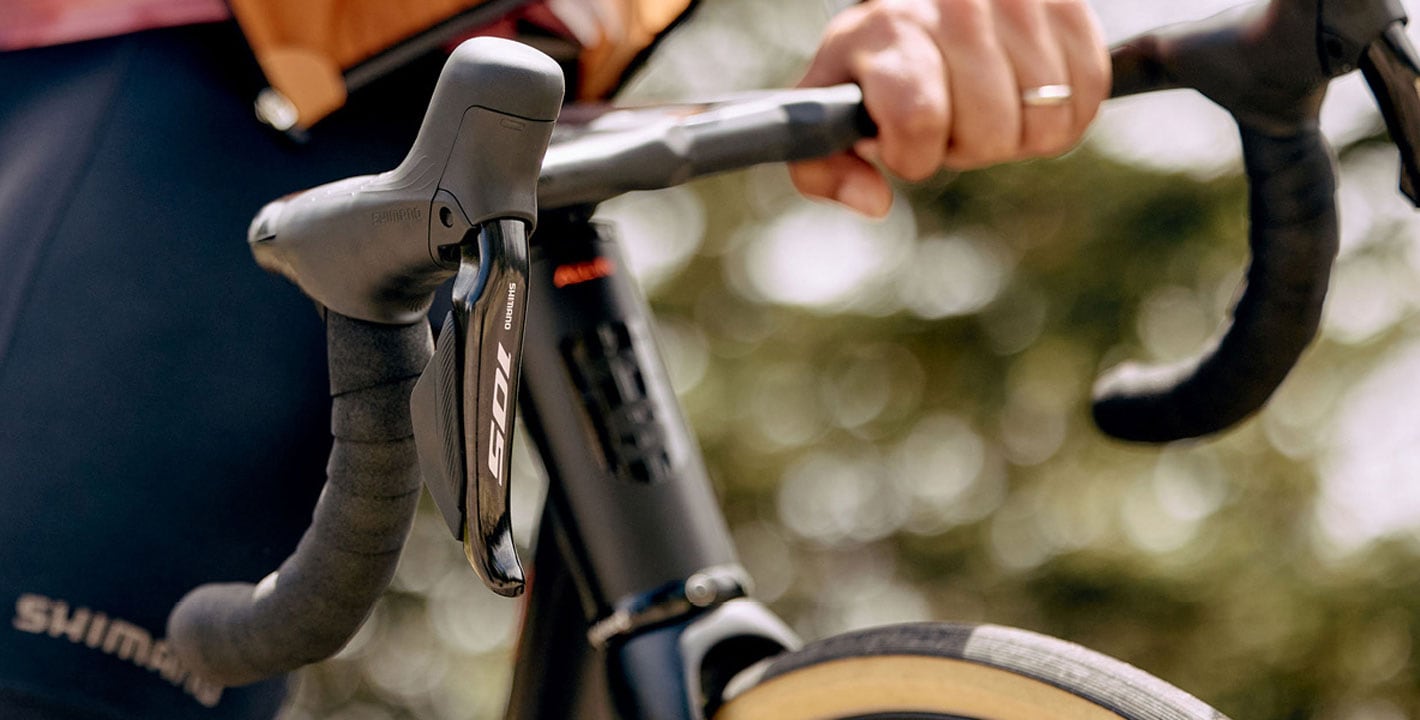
x,y
1199,562
920,447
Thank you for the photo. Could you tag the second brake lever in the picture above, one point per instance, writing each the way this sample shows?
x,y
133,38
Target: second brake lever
x,y
1393,72
1371,36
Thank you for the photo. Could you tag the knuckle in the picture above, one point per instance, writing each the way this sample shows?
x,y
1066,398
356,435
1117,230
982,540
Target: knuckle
x,y
910,113
890,23
920,121
909,11
959,11
1017,11
1078,8
967,24
844,24
1072,17
847,25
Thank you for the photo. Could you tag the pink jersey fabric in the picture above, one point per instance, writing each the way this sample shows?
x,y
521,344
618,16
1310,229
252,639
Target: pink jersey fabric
x,y
36,23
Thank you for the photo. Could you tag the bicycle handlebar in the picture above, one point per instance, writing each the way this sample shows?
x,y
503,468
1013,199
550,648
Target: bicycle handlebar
x,y
237,633
1293,230
371,250
618,150
1268,65
374,248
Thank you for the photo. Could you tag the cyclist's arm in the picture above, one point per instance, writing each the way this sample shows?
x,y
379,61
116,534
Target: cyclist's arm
x,y
943,80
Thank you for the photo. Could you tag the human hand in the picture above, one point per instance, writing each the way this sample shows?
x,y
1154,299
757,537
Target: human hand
x,y
950,84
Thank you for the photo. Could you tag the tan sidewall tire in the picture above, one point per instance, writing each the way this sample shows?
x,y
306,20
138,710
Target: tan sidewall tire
x,y
882,684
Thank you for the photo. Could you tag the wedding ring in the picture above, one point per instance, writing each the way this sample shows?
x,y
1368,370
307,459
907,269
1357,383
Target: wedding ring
x,y
1046,95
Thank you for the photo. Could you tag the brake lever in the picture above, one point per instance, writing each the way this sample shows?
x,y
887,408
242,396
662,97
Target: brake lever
x,y
1371,36
466,399
1392,70
463,405
462,203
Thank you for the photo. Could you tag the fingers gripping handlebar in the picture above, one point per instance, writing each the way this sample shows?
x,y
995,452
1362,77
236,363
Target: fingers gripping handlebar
x,y
1268,64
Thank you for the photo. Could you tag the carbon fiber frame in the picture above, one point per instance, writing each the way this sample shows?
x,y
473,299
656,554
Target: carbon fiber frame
x,y
630,510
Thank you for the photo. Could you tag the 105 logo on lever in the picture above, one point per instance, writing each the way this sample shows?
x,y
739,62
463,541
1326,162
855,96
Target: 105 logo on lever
x,y
462,438
500,410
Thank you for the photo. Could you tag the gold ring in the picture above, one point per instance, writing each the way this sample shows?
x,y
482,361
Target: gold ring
x,y
1046,95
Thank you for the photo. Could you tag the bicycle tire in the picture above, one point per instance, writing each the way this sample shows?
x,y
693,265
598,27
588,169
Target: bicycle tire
x,y
955,672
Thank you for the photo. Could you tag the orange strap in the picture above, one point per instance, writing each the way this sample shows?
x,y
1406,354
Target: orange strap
x,y
304,47
604,64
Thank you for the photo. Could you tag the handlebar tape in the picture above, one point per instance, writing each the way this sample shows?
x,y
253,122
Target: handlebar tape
x,y
238,633
1293,239
1259,62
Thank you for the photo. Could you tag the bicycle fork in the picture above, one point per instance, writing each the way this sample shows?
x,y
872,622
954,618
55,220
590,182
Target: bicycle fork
x,y
636,572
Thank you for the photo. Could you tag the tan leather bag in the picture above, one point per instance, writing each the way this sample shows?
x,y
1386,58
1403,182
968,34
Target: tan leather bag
x,y
304,47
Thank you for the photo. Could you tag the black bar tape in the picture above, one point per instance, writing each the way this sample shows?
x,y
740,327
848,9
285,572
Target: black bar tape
x,y
364,354
371,415
238,633
1293,239
1136,68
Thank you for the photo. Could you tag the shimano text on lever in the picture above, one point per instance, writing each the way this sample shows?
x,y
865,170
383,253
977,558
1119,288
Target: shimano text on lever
x,y
463,405
463,201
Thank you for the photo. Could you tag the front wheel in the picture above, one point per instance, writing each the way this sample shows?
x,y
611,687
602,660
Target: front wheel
x,y
953,672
